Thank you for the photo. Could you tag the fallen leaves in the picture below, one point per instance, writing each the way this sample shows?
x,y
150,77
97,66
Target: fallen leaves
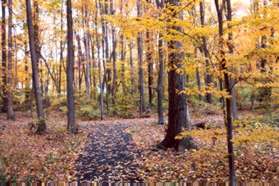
x,y
27,156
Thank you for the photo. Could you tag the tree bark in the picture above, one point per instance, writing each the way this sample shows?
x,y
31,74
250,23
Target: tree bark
x,y
101,84
228,101
10,111
41,125
61,51
87,54
160,85
140,63
114,56
72,127
149,60
231,51
208,77
177,101
4,58
132,73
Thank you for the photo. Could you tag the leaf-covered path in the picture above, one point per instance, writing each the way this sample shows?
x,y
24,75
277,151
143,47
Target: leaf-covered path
x,y
109,155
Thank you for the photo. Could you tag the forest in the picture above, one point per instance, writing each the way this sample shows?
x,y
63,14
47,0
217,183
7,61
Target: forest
x,y
139,91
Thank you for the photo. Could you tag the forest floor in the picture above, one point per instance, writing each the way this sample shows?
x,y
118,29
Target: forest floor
x,y
117,150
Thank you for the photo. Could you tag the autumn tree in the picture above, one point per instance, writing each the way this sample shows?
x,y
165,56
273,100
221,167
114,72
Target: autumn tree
x,y
228,89
4,57
41,124
72,127
10,110
177,100
140,62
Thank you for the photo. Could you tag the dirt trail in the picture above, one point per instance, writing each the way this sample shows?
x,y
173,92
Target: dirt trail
x,y
109,155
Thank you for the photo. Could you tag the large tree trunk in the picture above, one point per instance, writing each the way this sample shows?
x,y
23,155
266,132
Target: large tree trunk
x,y
72,127
228,101
41,125
10,111
140,63
176,81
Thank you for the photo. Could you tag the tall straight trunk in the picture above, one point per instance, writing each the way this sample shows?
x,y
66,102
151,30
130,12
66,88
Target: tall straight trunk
x,y
228,101
101,84
105,53
140,63
10,111
61,50
87,54
149,60
80,61
93,75
208,77
160,85
132,73
231,51
114,55
72,127
114,79
4,57
41,125
26,70
177,102
198,78
122,54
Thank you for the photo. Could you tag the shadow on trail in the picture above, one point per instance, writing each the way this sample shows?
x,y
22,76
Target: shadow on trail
x,y
109,155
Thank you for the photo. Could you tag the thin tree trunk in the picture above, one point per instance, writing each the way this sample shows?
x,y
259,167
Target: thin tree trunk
x,y
61,51
80,61
140,63
4,57
228,102
122,54
198,78
160,85
99,65
132,73
149,60
10,111
208,78
72,127
41,125
231,51
87,55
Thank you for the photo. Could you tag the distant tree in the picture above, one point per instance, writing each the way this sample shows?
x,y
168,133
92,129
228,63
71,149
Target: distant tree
x,y
72,127
204,48
140,62
41,125
160,85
